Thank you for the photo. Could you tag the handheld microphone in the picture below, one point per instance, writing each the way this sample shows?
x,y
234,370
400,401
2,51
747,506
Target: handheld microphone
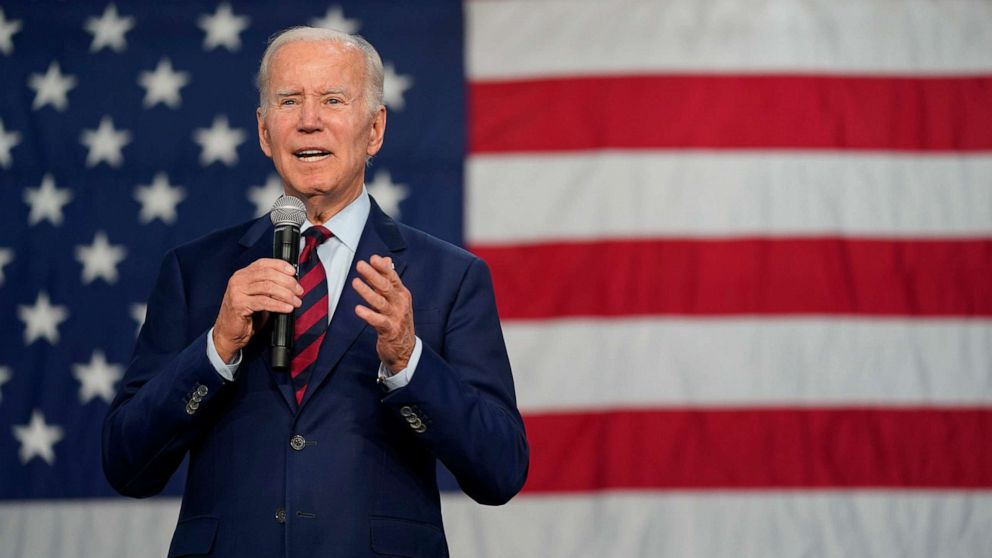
x,y
288,214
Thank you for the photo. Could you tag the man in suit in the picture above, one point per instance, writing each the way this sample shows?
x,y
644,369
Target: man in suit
x,y
403,360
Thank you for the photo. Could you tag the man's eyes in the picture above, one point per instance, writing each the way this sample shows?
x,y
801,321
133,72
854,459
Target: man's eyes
x,y
328,101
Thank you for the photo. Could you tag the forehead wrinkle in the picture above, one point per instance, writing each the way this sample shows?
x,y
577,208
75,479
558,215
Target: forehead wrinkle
x,y
297,92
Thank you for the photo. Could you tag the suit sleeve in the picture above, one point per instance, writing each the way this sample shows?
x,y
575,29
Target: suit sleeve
x,y
464,398
164,401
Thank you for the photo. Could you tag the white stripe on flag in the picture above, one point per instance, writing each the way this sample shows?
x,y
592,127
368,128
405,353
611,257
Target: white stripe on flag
x,y
518,38
618,194
115,528
575,364
741,524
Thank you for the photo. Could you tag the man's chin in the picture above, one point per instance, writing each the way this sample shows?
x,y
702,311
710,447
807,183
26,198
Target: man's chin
x,y
321,188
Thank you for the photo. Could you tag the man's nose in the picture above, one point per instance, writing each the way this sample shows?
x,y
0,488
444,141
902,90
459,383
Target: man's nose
x,y
310,119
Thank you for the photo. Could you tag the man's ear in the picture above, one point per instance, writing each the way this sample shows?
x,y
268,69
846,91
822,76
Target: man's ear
x,y
377,131
263,134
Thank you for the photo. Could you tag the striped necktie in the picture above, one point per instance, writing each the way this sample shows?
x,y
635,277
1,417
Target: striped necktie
x,y
310,323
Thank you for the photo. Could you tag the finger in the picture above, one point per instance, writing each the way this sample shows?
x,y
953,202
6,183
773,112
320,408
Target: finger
x,y
373,318
271,289
374,299
398,295
272,263
263,284
374,278
246,305
386,268
274,293
267,304
280,273
268,275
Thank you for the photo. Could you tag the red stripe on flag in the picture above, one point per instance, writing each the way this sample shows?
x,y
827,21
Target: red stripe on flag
x,y
745,276
766,448
732,111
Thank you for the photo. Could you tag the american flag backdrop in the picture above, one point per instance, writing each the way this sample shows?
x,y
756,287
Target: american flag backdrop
x,y
742,253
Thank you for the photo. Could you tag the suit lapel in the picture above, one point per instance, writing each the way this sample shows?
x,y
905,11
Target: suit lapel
x,y
381,236
258,244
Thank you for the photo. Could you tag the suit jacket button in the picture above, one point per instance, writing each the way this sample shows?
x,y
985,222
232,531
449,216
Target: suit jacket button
x,y
420,429
280,515
297,442
202,391
406,410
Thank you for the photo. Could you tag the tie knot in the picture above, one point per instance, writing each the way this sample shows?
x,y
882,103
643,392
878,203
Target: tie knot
x,y
314,236
317,233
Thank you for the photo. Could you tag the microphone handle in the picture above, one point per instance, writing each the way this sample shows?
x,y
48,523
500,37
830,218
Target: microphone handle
x,y
285,247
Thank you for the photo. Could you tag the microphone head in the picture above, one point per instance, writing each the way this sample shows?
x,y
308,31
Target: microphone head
x,y
288,211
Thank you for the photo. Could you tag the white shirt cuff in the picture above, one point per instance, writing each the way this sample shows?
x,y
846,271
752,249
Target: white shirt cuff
x,y
403,377
226,371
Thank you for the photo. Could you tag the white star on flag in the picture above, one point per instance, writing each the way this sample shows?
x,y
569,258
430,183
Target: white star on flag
x,y
4,378
105,143
37,438
108,30
100,259
97,378
138,312
6,255
159,199
393,87
46,201
334,19
219,142
163,84
223,28
42,319
264,196
387,193
7,30
51,88
7,142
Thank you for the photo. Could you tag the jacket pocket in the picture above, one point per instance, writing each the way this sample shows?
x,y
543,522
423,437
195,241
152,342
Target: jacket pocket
x,y
194,537
411,539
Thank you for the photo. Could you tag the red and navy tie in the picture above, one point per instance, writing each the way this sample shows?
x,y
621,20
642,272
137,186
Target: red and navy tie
x,y
310,324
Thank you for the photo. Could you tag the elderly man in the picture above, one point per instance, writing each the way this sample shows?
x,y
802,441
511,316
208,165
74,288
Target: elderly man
x,y
399,361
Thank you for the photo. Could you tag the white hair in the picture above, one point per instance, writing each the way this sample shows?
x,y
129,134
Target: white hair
x,y
373,63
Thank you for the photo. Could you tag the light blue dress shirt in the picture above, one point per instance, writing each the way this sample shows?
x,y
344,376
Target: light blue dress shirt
x,y
337,255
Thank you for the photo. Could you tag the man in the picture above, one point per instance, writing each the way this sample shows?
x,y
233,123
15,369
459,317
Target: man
x,y
402,360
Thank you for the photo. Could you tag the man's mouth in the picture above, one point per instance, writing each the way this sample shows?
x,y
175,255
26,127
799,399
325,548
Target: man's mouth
x,y
311,154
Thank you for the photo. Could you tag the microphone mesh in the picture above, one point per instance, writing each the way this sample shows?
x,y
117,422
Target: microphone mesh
x,y
288,211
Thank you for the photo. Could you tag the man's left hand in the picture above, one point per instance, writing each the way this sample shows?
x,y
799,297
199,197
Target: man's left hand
x,y
389,310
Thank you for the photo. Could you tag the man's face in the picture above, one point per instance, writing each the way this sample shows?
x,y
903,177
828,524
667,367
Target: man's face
x,y
317,128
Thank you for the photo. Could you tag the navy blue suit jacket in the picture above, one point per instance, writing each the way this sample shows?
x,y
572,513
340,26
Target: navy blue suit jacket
x,y
349,473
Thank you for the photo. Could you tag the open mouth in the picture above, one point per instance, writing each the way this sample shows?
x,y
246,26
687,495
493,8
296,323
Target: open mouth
x,y
311,155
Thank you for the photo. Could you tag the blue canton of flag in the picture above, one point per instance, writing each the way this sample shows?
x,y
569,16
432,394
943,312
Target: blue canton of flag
x,y
128,128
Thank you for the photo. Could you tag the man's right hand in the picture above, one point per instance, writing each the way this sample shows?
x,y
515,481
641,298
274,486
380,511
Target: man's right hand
x,y
267,285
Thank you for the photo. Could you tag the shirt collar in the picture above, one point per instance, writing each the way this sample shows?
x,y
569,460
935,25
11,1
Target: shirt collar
x,y
348,224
